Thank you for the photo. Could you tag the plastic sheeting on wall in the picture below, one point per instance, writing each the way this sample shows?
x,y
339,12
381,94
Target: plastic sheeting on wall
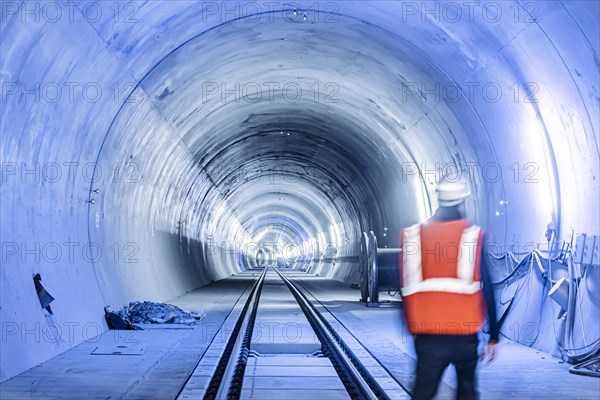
x,y
529,316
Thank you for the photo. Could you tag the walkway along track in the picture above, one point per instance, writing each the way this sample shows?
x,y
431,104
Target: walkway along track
x,y
231,367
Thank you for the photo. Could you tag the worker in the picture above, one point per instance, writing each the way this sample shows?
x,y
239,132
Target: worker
x,y
446,289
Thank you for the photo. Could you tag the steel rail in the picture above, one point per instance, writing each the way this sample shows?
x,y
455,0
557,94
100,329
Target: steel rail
x,y
359,383
226,383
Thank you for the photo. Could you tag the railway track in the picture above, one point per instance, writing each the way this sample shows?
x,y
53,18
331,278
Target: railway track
x,y
277,344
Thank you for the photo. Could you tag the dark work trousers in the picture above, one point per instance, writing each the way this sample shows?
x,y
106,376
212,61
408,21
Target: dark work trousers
x,y
435,353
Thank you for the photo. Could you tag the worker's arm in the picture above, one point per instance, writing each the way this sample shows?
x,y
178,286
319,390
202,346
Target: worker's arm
x,y
488,292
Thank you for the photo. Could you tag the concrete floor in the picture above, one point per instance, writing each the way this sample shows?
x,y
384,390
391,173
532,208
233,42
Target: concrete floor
x,y
171,352
168,354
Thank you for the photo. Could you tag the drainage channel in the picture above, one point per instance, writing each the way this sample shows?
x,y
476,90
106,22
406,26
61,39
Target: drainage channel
x,y
276,345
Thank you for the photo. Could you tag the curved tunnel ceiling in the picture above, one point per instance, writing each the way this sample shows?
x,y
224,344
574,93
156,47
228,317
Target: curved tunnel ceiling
x,y
223,127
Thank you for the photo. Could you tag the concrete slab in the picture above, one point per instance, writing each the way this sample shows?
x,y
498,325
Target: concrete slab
x,y
302,370
291,374
288,360
269,382
282,347
299,394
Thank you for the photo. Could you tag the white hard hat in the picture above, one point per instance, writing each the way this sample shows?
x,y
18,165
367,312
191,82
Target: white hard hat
x,y
452,191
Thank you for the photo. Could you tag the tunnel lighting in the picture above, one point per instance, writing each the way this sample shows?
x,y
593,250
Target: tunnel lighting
x,y
321,239
335,233
235,232
538,169
497,213
261,235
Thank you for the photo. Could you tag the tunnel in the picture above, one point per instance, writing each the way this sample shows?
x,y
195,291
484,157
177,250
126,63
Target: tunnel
x,y
151,149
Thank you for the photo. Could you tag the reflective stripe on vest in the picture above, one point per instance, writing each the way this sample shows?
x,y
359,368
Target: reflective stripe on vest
x,y
412,271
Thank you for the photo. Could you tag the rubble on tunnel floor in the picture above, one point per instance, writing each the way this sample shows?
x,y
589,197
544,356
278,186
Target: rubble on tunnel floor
x,y
149,312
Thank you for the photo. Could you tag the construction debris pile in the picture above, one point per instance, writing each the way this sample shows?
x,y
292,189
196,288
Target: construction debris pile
x,y
148,312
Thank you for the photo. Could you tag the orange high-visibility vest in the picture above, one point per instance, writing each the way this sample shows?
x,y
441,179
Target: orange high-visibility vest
x,y
440,273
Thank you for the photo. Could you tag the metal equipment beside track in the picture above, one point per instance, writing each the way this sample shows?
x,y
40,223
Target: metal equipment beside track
x,y
379,269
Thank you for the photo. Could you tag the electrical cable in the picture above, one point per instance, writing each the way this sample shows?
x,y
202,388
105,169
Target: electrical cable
x,y
576,369
514,272
583,347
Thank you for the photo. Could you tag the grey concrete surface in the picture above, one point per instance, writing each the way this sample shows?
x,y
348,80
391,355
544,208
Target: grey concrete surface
x,y
172,352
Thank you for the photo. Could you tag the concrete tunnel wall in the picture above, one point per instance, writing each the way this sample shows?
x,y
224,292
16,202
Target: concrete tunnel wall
x,y
132,165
